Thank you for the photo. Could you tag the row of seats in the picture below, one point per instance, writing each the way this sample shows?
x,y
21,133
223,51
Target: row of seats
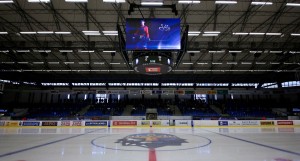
x,y
196,108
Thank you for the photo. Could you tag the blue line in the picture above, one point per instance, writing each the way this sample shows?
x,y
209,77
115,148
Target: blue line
x,y
49,143
251,142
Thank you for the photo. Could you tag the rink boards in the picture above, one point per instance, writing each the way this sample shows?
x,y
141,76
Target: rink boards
x,y
151,123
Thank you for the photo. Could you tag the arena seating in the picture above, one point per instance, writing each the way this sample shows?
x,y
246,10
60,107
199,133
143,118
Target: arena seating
x,y
140,107
258,108
196,108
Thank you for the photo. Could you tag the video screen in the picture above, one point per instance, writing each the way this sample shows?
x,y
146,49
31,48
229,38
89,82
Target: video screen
x,y
153,34
152,69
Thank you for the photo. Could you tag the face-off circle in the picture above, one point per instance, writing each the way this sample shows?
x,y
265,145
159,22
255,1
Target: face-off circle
x,y
146,141
151,140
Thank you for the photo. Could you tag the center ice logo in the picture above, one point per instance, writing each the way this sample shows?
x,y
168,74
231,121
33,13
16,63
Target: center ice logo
x,y
151,140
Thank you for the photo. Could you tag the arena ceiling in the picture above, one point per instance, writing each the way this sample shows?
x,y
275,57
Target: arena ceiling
x,y
45,42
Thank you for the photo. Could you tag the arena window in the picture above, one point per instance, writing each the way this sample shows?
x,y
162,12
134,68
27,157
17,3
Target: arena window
x,y
80,84
55,84
177,84
244,85
4,81
97,84
269,85
213,84
290,84
30,83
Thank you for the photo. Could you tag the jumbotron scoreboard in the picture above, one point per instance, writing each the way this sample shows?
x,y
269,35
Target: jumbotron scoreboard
x,y
153,63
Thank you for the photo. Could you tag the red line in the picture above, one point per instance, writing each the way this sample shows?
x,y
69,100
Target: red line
x,y
152,155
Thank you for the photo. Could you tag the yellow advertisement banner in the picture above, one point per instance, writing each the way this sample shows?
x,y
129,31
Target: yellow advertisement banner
x,y
11,123
267,123
211,92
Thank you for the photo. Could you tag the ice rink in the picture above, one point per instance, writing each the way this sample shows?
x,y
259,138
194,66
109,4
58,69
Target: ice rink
x,y
150,144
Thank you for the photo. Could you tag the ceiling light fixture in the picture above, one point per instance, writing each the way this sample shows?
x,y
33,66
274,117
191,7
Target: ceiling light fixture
x,y
62,32
233,51
91,33
66,51
151,3
261,3
8,1
273,34
246,63
275,52
274,63
45,32
232,63
253,52
295,34
216,63
114,1
76,1
110,33
53,62
87,51
23,51
294,52
42,51
27,32
293,4
210,34
83,62
97,63
3,33
38,1
226,2
240,33
194,33
188,2
37,62
257,33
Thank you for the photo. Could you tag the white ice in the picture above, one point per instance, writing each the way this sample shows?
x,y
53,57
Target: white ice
x,y
100,144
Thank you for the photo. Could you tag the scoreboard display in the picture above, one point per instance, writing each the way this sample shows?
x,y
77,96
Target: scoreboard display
x,y
153,64
153,34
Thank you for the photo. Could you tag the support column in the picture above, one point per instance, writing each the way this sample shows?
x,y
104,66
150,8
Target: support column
x,y
41,98
29,98
58,99
46,98
51,100
17,96
32,98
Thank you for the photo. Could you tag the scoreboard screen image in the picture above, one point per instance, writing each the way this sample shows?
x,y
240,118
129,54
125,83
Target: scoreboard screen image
x,y
153,34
